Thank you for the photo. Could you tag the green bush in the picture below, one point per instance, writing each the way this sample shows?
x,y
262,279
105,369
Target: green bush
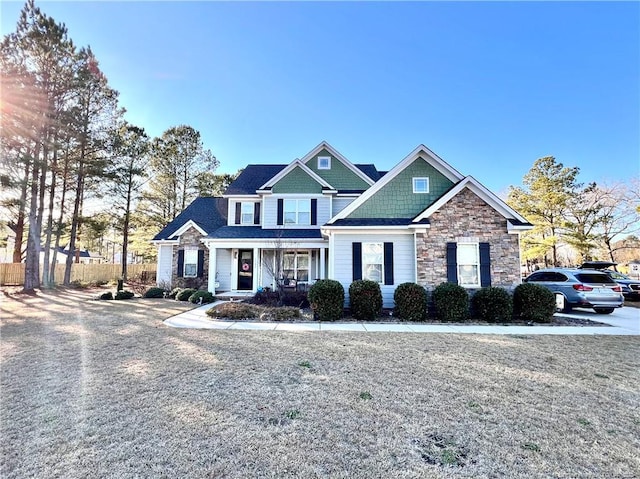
x,y
154,293
206,296
106,296
411,302
532,302
326,298
492,304
185,294
124,294
174,292
451,302
365,299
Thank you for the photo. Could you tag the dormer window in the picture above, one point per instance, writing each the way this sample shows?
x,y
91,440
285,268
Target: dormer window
x,y
324,162
247,213
421,185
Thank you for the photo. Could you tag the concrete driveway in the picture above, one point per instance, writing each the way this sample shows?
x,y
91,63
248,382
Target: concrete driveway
x,y
624,321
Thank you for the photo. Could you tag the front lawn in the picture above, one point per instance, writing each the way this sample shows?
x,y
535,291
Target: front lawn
x,y
103,389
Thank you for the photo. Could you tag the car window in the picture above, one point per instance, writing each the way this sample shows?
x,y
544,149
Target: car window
x,y
557,277
593,278
616,275
536,277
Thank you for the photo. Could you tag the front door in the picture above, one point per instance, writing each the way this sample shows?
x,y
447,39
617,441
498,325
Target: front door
x,y
245,269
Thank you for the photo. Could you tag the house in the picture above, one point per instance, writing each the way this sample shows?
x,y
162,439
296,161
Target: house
x,y
79,256
322,216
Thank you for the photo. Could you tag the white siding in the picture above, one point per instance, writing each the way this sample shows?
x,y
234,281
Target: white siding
x,y
223,269
341,203
403,261
165,264
270,215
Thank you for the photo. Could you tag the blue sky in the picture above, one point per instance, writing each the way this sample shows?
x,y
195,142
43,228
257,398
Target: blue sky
x,y
490,87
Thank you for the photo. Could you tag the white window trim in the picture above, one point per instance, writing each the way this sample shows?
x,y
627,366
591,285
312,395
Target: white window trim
x,y
328,158
242,205
477,264
419,178
364,264
296,266
188,252
298,211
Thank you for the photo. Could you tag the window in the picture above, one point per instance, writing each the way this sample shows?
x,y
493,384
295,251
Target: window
x,y
324,162
297,212
372,261
296,266
246,217
468,264
421,185
190,262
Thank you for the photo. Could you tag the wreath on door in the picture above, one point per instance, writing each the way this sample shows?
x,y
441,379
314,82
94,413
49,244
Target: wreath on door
x,y
245,266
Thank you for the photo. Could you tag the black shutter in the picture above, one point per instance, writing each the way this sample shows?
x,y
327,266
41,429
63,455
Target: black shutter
x,y
356,260
180,272
388,263
238,212
314,211
200,263
452,263
280,211
485,265
256,214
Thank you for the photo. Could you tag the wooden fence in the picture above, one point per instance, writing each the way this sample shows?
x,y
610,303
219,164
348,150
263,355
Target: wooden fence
x,y
12,274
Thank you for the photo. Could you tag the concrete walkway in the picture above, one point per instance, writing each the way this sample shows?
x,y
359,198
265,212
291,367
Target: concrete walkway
x,y
623,321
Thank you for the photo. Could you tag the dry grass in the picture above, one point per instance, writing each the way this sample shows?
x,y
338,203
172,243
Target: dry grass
x,y
104,389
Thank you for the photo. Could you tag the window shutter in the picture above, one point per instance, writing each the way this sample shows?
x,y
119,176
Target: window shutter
x,y
200,263
238,212
388,263
452,266
256,214
485,265
314,211
180,272
280,211
356,260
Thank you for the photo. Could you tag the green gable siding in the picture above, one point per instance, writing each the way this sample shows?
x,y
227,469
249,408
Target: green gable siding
x,y
339,176
397,200
297,181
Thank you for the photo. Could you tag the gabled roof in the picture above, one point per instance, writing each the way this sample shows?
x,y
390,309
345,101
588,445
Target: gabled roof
x,y
290,167
252,178
487,196
356,222
420,152
335,153
207,212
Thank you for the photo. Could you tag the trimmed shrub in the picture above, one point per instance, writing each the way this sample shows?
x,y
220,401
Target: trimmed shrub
x,y
327,299
234,310
124,294
106,296
492,304
206,296
532,302
365,299
411,302
297,299
174,292
154,293
185,294
451,302
267,298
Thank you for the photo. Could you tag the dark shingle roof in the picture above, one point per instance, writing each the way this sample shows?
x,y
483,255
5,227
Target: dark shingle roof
x,y
207,212
83,252
240,232
515,222
373,222
252,178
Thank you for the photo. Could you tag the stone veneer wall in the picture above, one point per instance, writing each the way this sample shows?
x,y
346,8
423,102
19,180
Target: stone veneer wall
x,y
191,237
467,215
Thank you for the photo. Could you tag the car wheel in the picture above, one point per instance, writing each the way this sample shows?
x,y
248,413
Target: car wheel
x,y
561,304
603,310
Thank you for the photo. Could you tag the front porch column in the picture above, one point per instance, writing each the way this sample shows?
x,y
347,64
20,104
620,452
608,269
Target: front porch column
x,y
322,260
257,276
211,285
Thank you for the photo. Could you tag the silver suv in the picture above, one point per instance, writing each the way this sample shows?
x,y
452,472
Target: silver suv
x,y
578,288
